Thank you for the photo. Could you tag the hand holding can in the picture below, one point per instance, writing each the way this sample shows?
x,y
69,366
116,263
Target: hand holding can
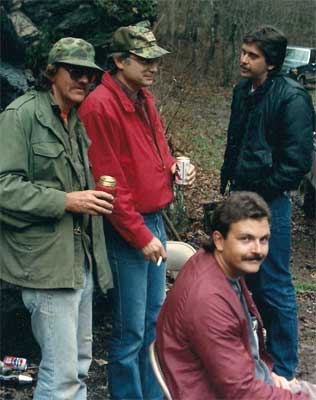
x,y
108,183
182,168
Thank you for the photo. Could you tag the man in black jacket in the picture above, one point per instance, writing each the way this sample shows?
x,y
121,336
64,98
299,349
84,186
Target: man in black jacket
x,y
269,147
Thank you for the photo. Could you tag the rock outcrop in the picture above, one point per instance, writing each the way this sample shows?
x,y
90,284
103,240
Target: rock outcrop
x,y
30,27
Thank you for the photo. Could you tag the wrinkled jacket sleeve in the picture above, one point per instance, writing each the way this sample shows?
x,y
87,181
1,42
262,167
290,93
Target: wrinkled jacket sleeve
x,y
22,202
231,149
103,154
295,149
214,330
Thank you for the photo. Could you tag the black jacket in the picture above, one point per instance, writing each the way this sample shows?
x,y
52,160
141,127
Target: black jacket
x,y
269,142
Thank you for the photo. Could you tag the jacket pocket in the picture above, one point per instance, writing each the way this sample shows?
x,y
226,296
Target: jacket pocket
x,y
30,251
50,150
255,165
32,236
50,166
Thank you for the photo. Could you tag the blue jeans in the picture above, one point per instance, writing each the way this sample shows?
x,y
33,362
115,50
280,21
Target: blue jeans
x,y
62,326
274,294
139,291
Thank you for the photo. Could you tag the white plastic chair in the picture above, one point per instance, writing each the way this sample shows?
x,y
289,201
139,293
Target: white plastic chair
x,y
178,254
154,361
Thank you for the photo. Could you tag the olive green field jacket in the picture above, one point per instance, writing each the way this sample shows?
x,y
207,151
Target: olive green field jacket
x,y
37,244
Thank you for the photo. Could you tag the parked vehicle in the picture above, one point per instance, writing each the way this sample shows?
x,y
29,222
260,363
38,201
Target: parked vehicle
x,y
300,64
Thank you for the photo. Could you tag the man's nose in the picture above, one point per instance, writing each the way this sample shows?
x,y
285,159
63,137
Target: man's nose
x,y
154,67
243,58
257,247
83,79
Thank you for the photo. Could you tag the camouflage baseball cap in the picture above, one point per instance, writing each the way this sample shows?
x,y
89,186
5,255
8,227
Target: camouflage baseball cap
x,y
73,51
137,39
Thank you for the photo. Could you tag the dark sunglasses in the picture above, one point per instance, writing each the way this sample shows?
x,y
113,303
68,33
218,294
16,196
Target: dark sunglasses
x,y
76,72
145,61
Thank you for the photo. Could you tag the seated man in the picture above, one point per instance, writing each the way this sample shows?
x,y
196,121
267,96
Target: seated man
x,y
209,333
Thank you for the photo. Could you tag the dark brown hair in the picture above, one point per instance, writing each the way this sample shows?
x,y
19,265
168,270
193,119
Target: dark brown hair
x,y
271,41
43,82
237,207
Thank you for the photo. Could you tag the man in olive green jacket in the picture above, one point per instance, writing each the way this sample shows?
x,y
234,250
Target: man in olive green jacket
x,y
50,226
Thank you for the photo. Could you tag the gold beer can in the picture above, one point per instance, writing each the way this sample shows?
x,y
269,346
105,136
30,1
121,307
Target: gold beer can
x,y
109,183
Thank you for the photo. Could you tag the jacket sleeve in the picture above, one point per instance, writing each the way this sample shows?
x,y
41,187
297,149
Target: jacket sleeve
x,y
294,155
22,202
230,150
215,334
104,156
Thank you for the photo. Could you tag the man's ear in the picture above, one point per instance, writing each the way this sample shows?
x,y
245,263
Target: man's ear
x,y
119,62
218,241
50,70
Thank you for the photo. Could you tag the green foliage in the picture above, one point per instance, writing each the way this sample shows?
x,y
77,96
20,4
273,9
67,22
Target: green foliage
x,y
208,150
92,20
125,12
36,54
177,212
305,288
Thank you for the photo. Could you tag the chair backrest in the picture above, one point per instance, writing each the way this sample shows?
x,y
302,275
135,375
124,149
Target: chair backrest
x,y
178,254
154,361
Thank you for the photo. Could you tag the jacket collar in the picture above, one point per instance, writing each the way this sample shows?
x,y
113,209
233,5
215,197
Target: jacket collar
x,y
46,113
125,101
217,271
260,91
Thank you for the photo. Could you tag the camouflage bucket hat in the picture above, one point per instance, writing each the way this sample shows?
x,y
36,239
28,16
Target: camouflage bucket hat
x,y
73,51
137,39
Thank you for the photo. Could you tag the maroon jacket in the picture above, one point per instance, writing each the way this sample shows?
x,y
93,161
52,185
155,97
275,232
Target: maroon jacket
x,y
202,338
125,147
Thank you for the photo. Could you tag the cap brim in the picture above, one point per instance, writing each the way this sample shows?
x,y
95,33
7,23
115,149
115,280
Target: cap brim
x,y
81,63
150,52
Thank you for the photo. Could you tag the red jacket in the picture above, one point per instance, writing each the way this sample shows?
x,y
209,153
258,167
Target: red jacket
x,y
123,147
202,338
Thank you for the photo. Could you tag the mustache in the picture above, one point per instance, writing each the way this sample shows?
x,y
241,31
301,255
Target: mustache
x,y
82,86
258,257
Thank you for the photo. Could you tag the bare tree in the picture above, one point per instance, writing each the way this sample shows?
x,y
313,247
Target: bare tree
x,y
208,33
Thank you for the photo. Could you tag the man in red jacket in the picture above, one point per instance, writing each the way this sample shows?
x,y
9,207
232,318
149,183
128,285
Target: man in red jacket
x,y
128,143
209,333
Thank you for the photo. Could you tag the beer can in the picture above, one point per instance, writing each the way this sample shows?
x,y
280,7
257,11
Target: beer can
x,y
182,168
109,183
16,363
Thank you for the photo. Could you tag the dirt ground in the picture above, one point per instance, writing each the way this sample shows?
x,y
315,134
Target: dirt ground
x,y
208,121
